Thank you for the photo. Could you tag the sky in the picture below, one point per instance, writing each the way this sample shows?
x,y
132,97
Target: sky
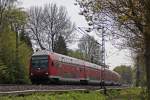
x,y
114,57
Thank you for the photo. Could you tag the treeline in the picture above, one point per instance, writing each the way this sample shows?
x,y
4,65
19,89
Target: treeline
x,y
130,75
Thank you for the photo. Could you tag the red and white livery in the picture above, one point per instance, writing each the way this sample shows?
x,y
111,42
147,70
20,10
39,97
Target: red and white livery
x,y
54,67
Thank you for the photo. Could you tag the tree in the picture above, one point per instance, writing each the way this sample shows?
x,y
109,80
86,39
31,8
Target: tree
x,y
14,64
24,38
47,24
5,5
132,19
12,72
36,26
90,48
122,18
60,46
17,22
126,74
139,70
76,54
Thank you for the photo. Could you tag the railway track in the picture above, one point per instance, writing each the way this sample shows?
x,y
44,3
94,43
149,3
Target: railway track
x,y
28,89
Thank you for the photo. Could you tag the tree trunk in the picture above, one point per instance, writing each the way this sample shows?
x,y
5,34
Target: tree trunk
x,y
40,44
52,39
147,45
147,62
137,72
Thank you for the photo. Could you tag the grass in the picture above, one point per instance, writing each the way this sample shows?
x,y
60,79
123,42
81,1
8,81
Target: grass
x,y
92,95
127,94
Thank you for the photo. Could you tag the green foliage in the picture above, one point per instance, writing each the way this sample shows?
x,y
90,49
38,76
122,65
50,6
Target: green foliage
x,y
25,39
60,46
139,74
127,94
3,71
123,18
13,68
121,94
8,69
63,96
76,54
126,74
7,45
142,77
16,16
90,48
24,58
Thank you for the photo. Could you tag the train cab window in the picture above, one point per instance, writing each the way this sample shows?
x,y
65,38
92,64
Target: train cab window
x,y
40,62
44,63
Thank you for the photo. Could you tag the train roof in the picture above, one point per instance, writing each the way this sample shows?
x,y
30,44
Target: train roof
x,y
41,52
116,73
67,59
72,60
64,58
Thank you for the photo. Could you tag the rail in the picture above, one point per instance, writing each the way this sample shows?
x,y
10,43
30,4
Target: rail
x,y
29,89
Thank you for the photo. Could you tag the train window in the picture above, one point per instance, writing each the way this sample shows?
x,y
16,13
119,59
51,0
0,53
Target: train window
x,y
40,61
81,69
44,63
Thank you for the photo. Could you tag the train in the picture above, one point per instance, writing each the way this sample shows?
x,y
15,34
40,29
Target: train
x,y
51,67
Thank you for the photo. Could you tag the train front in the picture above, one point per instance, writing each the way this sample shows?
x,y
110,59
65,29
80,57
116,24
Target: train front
x,y
39,67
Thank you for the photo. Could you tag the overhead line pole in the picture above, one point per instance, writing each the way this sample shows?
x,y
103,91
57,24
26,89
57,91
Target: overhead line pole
x,y
103,61
102,74
103,47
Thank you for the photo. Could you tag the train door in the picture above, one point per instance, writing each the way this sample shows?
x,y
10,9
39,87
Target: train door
x,y
81,72
83,75
53,66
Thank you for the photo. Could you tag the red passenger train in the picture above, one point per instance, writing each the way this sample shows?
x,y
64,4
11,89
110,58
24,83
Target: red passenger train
x,y
54,67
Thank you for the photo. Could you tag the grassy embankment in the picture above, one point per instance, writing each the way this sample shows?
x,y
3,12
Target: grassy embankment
x,y
128,94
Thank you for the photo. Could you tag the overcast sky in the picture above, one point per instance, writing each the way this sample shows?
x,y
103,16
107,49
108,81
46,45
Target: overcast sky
x,y
114,57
